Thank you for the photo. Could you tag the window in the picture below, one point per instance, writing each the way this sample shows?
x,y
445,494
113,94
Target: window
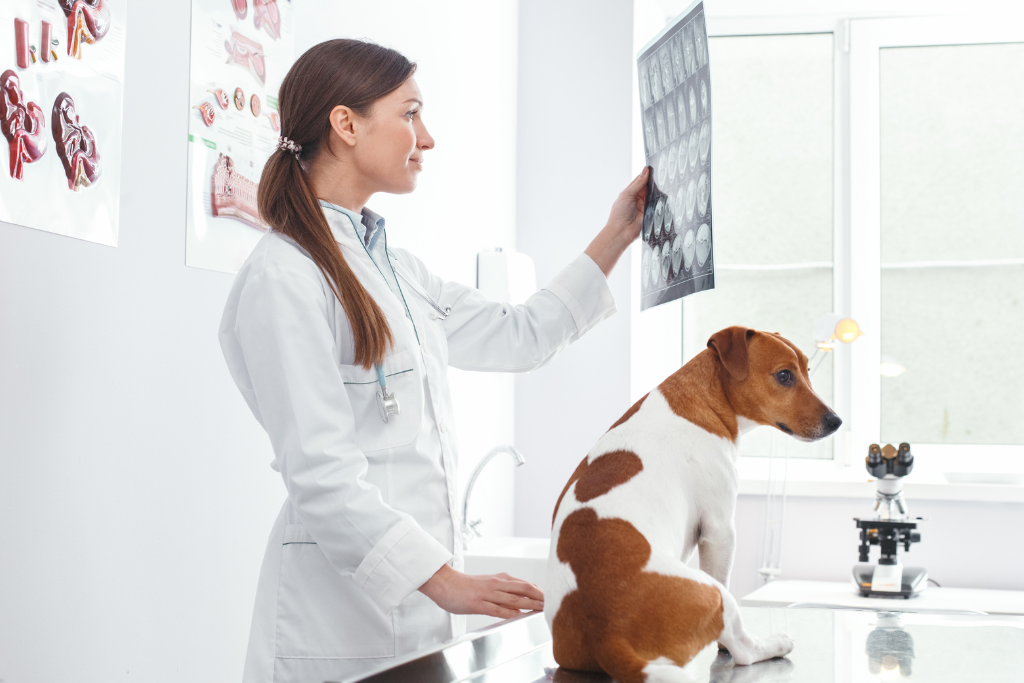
x,y
873,168
773,201
952,244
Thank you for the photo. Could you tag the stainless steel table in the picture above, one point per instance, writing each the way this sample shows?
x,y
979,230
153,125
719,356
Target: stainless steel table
x,y
832,646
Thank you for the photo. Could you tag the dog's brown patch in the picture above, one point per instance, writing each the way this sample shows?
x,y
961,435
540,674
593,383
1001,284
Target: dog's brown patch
x,y
606,472
694,392
620,617
629,413
601,476
577,473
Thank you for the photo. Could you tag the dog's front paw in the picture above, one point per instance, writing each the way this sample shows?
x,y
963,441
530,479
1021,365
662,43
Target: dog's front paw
x,y
779,645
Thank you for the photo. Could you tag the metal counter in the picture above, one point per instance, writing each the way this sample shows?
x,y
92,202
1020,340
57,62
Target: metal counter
x,y
832,646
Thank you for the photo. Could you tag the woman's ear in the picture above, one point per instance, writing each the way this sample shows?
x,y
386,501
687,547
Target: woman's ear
x,y
343,123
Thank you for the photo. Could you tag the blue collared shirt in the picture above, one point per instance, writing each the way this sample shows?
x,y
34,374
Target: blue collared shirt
x,y
369,226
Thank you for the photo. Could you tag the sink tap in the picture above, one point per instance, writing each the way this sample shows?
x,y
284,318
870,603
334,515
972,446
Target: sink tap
x,y
469,528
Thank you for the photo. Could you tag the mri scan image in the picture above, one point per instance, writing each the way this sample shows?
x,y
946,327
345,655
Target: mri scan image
x,y
659,120
691,198
667,79
645,265
661,170
659,216
666,261
672,154
704,142
648,221
655,266
645,86
700,42
704,103
693,148
654,74
681,109
670,114
703,193
683,145
689,248
676,46
679,208
686,36
649,136
693,108
703,244
677,254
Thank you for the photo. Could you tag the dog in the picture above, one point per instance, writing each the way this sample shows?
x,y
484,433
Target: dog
x,y
659,484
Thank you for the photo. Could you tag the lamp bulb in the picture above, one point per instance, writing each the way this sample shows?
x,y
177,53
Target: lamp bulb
x,y
847,330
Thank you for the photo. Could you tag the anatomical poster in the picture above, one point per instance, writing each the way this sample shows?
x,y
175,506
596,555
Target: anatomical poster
x,y
675,99
241,51
61,88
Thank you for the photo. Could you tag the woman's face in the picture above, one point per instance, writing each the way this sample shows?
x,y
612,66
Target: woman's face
x,y
392,139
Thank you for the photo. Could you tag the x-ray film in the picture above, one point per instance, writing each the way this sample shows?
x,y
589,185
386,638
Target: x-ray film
x,y
675,95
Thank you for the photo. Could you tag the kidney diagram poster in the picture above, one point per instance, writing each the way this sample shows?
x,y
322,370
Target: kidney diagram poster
x,y
675,96
241,51
61,89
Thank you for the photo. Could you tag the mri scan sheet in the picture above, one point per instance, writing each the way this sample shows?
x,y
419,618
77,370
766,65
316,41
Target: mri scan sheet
x,y
675,98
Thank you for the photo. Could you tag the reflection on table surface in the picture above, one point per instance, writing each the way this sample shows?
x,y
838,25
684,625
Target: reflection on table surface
x,y
832,646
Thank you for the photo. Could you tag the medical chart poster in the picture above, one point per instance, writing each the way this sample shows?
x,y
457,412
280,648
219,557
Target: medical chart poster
x,y
675,97
241,51
61,91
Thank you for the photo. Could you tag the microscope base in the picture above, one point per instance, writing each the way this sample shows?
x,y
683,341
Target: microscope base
x,y
873,580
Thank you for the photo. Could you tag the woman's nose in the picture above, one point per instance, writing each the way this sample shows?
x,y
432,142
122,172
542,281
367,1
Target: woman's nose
x,y
424,140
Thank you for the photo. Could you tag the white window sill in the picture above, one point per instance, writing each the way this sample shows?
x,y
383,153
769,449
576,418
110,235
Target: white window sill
x,y
928,481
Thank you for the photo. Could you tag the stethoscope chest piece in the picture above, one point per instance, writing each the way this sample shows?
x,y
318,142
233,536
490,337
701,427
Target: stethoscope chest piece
x,y
387,404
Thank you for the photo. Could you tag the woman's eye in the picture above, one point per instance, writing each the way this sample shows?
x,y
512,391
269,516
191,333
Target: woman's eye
x,y
412,113
784,377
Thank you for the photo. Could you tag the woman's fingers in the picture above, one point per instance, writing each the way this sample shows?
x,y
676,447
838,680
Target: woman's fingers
x,y
637,187
519,587
494,610
518,602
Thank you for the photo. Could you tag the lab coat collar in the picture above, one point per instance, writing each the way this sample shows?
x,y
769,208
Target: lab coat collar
x,y
368,226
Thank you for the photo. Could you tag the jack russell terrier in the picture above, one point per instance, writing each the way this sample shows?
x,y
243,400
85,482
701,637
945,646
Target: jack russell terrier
x,y
660,483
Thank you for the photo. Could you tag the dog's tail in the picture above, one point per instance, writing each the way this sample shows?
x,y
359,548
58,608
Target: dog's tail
x,y
619,660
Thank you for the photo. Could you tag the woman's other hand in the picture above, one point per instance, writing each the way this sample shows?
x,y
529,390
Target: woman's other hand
x,y
497,595
624,223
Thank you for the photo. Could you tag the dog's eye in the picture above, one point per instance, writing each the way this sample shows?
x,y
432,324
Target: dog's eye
x,y
784,377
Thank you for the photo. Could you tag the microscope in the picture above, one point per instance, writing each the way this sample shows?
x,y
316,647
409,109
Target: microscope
x,y
891,528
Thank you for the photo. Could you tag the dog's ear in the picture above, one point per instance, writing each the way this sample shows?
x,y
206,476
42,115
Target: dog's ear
x,y
731,346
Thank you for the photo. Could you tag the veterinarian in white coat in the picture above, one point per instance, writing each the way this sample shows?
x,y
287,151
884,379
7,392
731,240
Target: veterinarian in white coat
x,y
364,562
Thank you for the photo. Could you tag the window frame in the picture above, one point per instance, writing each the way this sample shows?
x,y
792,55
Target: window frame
x,y
857,260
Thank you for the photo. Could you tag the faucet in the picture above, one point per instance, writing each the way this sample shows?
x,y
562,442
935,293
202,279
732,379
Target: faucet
x,y
469,528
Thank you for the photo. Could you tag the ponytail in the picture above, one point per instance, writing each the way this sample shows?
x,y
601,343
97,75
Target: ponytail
x,y
337,72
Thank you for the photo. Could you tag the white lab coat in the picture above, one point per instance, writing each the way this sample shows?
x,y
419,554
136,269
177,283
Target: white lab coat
x,y
372,508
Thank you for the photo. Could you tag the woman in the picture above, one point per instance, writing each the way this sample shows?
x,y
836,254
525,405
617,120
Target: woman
x,y
325,327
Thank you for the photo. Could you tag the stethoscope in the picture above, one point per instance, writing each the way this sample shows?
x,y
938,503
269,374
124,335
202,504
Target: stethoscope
x,y
387,403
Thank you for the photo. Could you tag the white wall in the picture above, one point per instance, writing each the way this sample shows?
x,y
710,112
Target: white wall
x,y
135,492
575,79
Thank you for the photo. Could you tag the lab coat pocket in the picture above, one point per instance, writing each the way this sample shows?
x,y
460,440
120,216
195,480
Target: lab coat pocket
x,y
403,375
322,614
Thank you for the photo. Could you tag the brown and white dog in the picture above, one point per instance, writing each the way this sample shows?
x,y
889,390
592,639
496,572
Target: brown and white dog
x,y
659,484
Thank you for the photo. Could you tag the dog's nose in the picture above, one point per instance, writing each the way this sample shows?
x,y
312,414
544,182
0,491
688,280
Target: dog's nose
x,y
832,422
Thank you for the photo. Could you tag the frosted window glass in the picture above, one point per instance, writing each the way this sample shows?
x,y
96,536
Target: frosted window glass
x,y
952,173
773,201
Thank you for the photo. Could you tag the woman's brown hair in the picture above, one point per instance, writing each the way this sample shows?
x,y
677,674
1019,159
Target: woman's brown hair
x,y
336,72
